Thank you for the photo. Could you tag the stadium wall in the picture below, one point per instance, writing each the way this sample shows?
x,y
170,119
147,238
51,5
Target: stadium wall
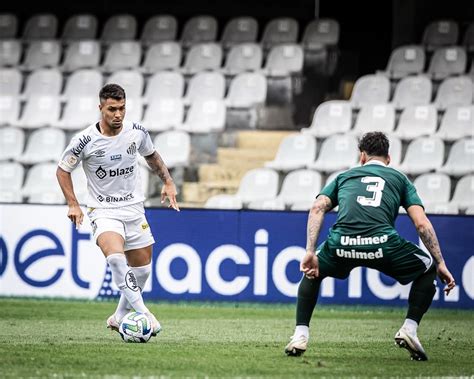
x,y
208,255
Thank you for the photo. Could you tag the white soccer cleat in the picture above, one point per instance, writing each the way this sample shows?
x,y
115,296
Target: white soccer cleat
x,y
410,342
112,323
155,324
297,346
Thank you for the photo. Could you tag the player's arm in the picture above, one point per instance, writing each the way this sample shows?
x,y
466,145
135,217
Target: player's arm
x,y
430,240
65,182
158,167
309,264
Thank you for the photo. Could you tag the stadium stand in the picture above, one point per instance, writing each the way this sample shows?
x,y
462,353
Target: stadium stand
x,y
165,55
10,52
239,30
296,151
42,26
80,27
440,33
118,28
405,61
8,26
158,29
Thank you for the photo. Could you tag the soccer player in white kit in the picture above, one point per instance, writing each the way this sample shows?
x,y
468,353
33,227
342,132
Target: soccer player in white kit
x,y
108,152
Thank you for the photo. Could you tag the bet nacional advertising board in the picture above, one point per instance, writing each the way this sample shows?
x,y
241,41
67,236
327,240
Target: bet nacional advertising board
x,y
209,255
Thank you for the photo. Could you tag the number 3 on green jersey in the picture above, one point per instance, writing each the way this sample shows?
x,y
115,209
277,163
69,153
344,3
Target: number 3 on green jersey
x,y
376,186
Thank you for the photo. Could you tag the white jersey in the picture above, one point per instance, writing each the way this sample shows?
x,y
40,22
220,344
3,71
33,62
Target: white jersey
x,y
110,163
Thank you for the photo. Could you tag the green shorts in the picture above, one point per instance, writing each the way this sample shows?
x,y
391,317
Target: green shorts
x,y
387,253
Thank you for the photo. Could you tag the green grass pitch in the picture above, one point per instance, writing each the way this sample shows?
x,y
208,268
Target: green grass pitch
x,y
68,339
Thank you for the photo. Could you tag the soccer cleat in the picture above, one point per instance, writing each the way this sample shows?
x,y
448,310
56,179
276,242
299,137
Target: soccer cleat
x,y
155,324
112,323
297,346
412,344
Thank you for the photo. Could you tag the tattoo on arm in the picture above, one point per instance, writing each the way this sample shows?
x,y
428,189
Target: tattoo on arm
x,y
158,167
315,219
428,236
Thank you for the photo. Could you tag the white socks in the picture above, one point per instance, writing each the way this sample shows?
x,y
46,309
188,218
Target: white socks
x,y
141,273
126,281
411,326
302,330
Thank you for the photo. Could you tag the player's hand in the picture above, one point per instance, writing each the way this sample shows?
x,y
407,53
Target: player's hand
x,y
310,265
169,191
446,277
75,215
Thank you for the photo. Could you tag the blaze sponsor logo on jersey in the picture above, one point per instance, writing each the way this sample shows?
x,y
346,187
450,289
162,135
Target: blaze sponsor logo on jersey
x,y
83,141
116,157
126,172
132,149
101,173
353,254
139,127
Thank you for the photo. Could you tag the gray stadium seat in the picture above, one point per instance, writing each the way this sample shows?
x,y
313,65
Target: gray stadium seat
x,y
201,57
406,60
424,154
239,30
338,152
41,26
44,145
159,28
198,30
83,82
331,117
457,122
132,82
165,84
41,179
40,54
204,116
280,31
470,210
463,195
243,57
79,112
447,61
8,26
174,147
370,89
223,201
134,108
11,182
320,33
454,91
12,142
267,205
295,151
119,27
10,52
380,117
161,56
82,54
433,188
258,184
45,81
205,85
11,81
122,55
163,114
395,151
80,27
247,90
39,111
413,90
417,121
10,107
440,33
468,39
284,60
300,187
460,158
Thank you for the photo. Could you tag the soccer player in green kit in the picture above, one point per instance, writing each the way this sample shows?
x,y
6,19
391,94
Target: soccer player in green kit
x,y
369,198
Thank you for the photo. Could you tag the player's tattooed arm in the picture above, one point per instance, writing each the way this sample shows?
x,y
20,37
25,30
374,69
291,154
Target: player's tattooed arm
x,y
158,167
428,236
321,205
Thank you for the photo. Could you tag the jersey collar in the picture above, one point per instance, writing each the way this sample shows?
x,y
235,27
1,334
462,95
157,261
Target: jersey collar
x,y
376,162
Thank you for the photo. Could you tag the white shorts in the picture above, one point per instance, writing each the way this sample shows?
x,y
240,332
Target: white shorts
x,y
130,222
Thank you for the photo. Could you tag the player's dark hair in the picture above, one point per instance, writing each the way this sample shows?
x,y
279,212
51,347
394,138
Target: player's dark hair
x,y
374,144
111,91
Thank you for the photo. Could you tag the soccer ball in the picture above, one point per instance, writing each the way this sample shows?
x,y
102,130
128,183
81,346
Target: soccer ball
x,y
135,327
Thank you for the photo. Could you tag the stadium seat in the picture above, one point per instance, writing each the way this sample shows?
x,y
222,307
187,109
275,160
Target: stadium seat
x,y
10,52
122,55
12,142
45,81
413,90
417,121
158,29
83,82
11,181
41,26
258,184
405,61
470,210
132,82
280,31
43,145
119,27
11,81
41,184
163,113
8,26
40,54
267,205
162,56
204,116
174,146
284,60
460,158
457,122
424,154
331,117
199,30
201,57
134,109
247,90
320,33
239,30
448,61
468,39
338,152
82,54
243,57
454,91
370,89
463,195
80,27
395,151
39,111
10,107
300,188
380,117
223,201
205,85
295,151
330,178
442,208
164,85
440,33
433,188
79,112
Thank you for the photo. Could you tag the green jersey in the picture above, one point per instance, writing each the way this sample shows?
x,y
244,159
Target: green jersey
x,y
369,198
